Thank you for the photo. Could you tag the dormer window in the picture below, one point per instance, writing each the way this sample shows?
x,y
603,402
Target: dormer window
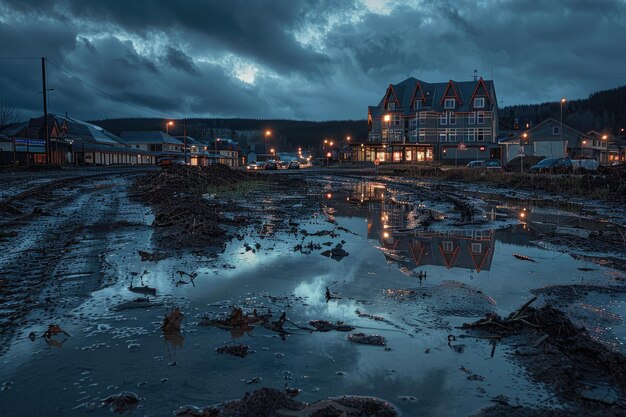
x,y
449,103
479,102
391,106
556,130
417,104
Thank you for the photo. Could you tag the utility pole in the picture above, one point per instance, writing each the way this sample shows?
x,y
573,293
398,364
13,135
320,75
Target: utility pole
x,y
185,133
45,107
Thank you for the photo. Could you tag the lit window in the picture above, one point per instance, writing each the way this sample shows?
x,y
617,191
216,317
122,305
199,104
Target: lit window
x,y
479,102
449,103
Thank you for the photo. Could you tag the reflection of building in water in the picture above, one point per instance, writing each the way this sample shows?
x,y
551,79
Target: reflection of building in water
x,y
393,225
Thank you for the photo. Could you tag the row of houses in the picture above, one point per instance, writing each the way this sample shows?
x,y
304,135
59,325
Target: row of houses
x,y
457,121
75,142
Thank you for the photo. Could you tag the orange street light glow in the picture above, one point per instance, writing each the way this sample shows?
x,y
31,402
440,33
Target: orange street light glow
x,y
387,118
563,100
268,132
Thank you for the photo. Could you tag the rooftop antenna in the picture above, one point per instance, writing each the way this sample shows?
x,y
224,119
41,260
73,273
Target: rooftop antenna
x,y
475,74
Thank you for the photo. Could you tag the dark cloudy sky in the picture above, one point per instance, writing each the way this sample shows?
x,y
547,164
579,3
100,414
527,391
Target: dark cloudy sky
x,y
300,59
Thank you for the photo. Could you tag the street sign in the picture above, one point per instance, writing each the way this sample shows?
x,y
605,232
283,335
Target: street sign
x,y
462,147
376,161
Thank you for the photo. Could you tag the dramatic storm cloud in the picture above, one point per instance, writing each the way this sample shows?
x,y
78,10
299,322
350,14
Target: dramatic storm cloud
x,y
303,59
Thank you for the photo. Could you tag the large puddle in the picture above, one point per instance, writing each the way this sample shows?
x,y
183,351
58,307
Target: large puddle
x,y
415,271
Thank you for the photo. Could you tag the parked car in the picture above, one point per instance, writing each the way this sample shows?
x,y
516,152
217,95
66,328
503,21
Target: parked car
x,y
490,164
294,164
271,165
255,165
283,164
170,161
553,165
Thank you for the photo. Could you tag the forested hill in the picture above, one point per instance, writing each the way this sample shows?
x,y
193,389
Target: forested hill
x,y
288,133
602,111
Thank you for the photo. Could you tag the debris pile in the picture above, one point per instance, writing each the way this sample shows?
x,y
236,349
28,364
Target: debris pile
x,y
183,216
326,326
123,402
561,354
367,339
234,350
272,402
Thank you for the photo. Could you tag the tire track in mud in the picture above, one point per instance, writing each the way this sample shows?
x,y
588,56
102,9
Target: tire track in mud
x,y
53,260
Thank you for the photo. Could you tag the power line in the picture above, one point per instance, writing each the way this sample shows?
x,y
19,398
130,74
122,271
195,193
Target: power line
x,y
15,57
107,94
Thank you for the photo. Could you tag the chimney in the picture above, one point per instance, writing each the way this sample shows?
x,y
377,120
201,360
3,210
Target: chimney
x,y
475,75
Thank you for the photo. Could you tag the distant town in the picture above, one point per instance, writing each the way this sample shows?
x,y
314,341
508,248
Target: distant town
x,y
451,123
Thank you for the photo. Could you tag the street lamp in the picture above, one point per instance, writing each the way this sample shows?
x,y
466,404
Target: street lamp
x,y
268,133
167,126
563,100
273,151
387,118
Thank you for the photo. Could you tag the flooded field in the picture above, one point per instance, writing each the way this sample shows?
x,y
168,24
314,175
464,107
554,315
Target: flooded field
x,y
402,262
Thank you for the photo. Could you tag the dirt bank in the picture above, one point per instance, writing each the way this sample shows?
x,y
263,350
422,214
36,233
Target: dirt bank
x,y
582,371
607,184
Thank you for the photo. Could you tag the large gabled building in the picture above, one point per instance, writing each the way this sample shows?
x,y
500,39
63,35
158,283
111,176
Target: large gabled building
x,y
419,121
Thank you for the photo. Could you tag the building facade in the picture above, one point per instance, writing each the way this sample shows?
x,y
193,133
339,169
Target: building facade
x,y
417,121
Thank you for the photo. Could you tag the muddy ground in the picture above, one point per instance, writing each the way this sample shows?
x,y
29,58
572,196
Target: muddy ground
x,y
299,288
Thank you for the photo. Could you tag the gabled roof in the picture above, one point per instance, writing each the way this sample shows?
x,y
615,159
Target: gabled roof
x,y
548,121
149,137
433,94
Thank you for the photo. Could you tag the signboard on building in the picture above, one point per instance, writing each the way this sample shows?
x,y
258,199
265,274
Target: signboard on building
x,y
34,142
462,147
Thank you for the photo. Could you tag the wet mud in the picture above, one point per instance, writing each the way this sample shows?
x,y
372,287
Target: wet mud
x,y
186,287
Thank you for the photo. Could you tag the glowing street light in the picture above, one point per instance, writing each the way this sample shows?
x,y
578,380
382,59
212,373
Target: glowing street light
x,y
167,126
268,133
605,137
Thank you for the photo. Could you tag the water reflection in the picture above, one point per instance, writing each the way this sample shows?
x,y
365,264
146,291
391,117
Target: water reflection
x,y
402,231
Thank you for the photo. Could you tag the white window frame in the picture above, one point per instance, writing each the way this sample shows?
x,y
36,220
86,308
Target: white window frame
x,y
417,104
391,105
422,136
397,119
480,118
451,118
477,247
447,245
452,136
442,137
471,135
449,103
471,119
422,118
479,102
556,130
443,119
